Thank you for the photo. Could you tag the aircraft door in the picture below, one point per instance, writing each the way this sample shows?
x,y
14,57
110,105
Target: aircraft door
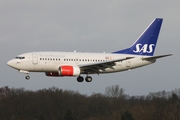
x,y
34,58
128,63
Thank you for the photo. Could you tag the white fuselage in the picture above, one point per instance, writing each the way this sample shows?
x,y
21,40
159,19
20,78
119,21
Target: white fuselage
x,y
51,61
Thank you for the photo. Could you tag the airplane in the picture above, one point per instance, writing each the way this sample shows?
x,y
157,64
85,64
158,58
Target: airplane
x,y
60,64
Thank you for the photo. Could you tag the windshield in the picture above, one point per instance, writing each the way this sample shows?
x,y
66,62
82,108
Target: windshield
x,y
20,57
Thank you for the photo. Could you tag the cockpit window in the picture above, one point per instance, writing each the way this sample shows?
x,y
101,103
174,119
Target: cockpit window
x,y
20,57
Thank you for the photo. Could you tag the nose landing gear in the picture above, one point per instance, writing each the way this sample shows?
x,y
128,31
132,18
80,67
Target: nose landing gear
x,y
27,77
26,72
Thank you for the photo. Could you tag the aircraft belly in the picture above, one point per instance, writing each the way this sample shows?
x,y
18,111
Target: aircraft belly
x,y
45,68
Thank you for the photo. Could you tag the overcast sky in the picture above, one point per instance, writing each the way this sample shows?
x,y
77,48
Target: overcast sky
x,y
89,26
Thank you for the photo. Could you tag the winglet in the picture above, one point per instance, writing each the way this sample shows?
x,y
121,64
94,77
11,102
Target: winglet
x,y
146,43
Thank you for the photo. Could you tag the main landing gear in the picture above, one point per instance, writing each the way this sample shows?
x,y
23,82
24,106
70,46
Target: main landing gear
x,y
87,78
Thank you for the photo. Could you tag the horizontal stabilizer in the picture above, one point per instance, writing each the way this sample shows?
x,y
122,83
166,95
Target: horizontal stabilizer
x,y
155,57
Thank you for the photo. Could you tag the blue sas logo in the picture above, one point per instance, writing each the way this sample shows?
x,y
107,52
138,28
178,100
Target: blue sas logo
x,y
144,49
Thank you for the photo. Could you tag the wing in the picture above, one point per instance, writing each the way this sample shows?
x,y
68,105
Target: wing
x,y
100,66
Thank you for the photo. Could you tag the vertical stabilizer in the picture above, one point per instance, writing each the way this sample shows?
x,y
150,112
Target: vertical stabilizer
x,y
146,43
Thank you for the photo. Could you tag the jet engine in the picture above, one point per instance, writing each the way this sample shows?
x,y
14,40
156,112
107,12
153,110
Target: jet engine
x,y
65,71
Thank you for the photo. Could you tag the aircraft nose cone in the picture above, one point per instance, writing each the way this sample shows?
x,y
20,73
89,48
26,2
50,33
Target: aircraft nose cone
x,y
9,63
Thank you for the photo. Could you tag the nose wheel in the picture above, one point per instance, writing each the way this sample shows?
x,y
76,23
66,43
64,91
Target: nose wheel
x,y
27,77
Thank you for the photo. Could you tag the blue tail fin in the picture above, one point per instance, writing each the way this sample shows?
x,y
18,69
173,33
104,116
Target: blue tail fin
x,y
146,43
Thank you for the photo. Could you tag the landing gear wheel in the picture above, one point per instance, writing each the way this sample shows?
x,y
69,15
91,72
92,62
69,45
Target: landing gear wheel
x,y
80,79
27,77
88,78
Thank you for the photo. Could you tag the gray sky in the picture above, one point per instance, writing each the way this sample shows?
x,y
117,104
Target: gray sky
x,y
89,26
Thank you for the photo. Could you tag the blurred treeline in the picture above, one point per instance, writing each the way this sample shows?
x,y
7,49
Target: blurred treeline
x,y
58,104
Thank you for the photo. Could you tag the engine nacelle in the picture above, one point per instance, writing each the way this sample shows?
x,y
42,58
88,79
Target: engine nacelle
x,y
65,71
69,71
